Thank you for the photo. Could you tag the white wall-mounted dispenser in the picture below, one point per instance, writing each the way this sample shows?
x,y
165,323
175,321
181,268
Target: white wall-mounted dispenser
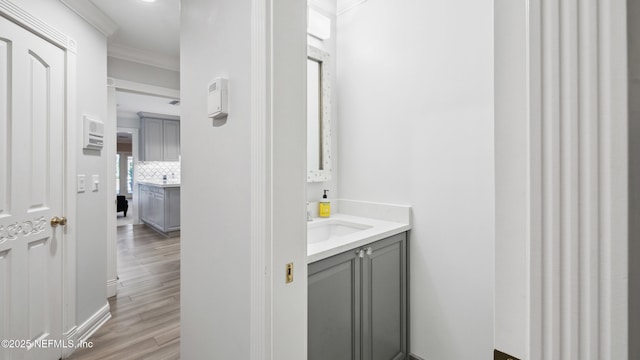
x,y
93,134
217,100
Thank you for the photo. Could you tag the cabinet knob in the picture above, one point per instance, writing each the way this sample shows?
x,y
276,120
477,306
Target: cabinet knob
x,y
360,253
369,251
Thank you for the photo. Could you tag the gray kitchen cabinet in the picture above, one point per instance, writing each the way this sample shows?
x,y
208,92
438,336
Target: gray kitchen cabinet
x,y
358,303
160,207
156,202
144,201
171,140
152,139
160,137
172,209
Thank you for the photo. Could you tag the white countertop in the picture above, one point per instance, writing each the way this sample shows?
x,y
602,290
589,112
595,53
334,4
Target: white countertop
x,y
160,183
380,229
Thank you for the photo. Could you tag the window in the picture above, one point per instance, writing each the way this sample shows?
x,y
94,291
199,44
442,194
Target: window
x,y
117,174
129,174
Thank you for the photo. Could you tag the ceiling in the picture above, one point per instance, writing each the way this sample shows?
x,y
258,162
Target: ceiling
x,y
129,104
149,33
139,31
136,30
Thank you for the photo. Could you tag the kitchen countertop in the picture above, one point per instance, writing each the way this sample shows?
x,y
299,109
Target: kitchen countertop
x,y
379,229
160,183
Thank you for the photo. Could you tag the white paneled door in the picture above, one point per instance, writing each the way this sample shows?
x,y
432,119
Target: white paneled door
x,y
32,108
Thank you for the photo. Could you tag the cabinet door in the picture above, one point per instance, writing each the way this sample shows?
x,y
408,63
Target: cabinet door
x,y
334,308
144,202
172,209
158,209
384,303
153,139
171,140
151,211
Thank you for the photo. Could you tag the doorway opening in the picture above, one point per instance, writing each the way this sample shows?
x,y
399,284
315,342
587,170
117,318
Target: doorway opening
x,y
129,165
126,210
125,100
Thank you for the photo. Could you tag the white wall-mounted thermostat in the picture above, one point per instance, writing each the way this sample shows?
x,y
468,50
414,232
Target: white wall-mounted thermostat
x,y
93,134
217,100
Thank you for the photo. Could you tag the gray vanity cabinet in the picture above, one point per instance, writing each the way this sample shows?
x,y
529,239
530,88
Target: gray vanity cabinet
x,y
358,303
384,299
334,308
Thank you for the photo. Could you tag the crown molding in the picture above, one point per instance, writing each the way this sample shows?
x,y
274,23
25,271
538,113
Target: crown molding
x,y
148,115
128,53
92,15
145,89
346,5
324,5
23,18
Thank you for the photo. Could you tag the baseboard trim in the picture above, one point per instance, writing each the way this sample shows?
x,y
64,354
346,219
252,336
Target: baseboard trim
x,y
82,333
112,287
93,323
69,336
414,357
168,234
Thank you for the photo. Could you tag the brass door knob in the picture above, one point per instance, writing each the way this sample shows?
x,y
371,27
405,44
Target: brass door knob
x,y
55,221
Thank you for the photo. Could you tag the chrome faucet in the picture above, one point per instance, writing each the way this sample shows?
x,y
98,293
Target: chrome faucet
x,y
308,213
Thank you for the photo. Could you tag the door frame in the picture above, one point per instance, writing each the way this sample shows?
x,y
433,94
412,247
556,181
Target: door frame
x,y
135,133
278,87
111,127
548,232
22,18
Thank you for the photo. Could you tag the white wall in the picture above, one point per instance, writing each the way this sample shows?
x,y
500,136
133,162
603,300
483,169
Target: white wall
x,y
91,100
142,73
217,212
129,122
215,209
415,122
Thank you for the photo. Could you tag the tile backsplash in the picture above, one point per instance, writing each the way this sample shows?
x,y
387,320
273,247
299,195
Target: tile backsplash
x,y
154,170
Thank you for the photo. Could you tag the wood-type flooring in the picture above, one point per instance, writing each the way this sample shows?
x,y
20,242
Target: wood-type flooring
x,y
145,321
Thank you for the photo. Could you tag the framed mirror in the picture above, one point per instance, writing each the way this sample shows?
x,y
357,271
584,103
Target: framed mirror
x,y
318,115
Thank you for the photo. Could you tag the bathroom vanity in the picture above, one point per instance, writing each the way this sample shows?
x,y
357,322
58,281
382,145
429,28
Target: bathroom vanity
x,y
160,205
357,288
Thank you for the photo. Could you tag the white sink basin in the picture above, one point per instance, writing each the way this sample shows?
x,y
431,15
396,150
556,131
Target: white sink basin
x,y
324,230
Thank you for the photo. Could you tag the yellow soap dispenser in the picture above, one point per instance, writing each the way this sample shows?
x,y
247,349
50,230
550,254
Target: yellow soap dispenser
x,y
325,206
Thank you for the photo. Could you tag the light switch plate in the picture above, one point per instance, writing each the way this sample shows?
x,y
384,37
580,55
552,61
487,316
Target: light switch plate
x,y
81,186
